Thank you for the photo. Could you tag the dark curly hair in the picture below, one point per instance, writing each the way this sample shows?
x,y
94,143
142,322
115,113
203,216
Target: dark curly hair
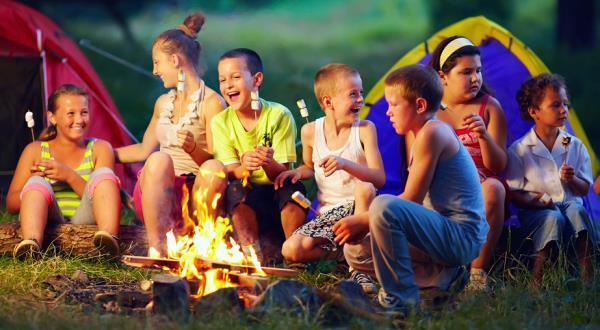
x,y
434,60
532,91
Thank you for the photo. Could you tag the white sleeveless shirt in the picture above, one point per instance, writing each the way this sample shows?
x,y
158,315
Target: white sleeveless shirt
x,y
192,120
339,186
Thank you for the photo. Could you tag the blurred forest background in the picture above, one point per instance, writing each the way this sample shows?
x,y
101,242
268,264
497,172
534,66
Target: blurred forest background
x,y
296,37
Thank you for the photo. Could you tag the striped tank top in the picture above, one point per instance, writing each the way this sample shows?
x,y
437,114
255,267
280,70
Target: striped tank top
x,y
67,199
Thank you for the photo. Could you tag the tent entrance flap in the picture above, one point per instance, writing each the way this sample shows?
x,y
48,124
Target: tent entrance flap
x,y
20,90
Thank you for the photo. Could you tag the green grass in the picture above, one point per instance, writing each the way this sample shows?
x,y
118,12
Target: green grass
x,y
561,303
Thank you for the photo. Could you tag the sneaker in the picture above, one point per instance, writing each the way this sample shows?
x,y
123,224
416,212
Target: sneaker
x,y
27,248
478,280
366,282
106,243
392,306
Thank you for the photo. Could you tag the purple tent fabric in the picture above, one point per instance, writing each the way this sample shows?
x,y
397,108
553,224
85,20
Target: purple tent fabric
x,y
503,72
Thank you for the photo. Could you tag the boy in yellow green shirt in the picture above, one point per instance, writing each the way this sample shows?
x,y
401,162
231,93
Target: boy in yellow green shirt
x,y
255,145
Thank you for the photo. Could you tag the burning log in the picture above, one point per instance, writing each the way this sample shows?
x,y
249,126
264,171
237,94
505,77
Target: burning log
x,y
75,239
203,264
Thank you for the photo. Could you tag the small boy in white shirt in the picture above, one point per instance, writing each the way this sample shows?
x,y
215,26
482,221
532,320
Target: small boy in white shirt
x,y
548,172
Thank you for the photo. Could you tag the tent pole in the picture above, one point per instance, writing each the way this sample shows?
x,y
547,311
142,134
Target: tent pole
x,y
43,75
88,44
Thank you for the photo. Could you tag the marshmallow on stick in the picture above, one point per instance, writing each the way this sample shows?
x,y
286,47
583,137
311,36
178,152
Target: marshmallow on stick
x,y
566,141
255,101
299,198
303,110
30,123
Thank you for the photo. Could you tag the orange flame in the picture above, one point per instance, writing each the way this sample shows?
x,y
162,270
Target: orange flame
x,y
206,238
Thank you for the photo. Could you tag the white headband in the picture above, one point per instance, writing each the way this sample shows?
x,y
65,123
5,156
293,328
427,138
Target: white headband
x,y
452,47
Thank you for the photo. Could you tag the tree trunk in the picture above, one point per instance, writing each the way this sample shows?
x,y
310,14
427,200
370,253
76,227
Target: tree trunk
x,y
75,239
576,23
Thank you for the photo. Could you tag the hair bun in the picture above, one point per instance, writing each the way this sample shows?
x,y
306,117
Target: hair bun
x,y
192,24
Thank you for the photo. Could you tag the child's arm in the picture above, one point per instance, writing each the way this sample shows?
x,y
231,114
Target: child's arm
x,y
103,154
304,171
577,185
58,171
351,229
212,105
140,151
529,199
373,172
25,169
492,139
429,144
577,175
271,167
283,152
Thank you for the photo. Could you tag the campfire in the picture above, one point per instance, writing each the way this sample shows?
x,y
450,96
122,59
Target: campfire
x,y
207,256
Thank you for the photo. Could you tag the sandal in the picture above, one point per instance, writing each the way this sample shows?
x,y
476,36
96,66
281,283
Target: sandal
x,y
106,243
27,248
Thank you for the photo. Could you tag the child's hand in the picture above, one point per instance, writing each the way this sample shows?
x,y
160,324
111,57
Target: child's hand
x,y
251,161
350,230
475,123
265,154
54,170
293,175
541,200
331,164
567,173
186,140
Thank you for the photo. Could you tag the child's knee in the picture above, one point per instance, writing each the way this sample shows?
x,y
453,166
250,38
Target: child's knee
x,y
292,248
102,174
157,165
494,192
364,191
576,211
214,167
379,208
37,183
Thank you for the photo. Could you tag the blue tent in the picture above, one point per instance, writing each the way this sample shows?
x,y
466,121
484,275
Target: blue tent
x,y
507,62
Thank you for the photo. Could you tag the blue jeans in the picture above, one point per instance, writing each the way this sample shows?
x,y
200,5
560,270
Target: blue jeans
x,y
560,221
395,223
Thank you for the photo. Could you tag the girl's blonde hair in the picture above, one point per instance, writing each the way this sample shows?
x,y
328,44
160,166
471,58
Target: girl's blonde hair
x,y
49,133
182,40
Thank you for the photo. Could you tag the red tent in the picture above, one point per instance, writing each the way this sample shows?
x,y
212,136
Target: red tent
x,y
35,58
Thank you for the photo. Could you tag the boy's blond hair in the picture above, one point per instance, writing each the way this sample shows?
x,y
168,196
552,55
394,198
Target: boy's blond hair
x,y
326,78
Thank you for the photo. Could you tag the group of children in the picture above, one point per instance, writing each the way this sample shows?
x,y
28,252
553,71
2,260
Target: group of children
x,y
450,214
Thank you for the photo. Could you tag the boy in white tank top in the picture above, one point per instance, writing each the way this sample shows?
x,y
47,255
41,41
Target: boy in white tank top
x,y
340,151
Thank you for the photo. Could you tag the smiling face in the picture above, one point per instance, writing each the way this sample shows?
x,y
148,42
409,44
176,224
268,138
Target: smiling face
x,y
236,82
402,113
164,66
464,80
71,116
347,99
553,110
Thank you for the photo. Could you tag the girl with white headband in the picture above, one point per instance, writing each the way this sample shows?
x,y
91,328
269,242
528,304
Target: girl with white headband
x,y
479,122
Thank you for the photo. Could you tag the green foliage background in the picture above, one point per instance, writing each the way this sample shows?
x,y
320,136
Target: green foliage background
x,y
296,37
